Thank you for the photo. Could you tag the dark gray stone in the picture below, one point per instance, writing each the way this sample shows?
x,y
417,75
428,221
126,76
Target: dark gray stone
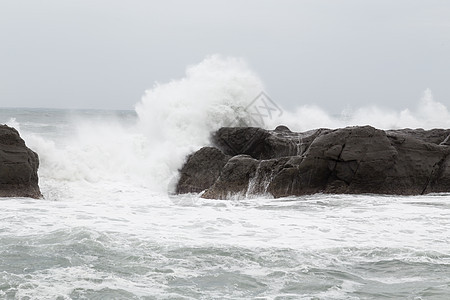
x,y
201,170
234,178
18,166
347,160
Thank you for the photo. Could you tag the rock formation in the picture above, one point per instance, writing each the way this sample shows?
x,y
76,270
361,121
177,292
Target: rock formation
x,y
18,166
201,170
248,160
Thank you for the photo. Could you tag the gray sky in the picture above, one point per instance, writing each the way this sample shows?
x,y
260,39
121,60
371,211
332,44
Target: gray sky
x,y
335,54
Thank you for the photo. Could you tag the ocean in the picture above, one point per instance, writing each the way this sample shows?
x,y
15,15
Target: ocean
x,y
109,226
103,231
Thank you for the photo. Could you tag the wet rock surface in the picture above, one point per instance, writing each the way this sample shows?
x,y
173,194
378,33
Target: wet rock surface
x,y
201,170
18,166
362,159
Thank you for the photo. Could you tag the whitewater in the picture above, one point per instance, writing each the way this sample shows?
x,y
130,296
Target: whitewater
x,y
109,226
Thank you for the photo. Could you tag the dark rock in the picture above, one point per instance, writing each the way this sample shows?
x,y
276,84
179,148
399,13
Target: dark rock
x,y
244,175
241,140
415,165
347,160
440,178
18,166
282,128
433,136
263,144
446,142
201,170
234,178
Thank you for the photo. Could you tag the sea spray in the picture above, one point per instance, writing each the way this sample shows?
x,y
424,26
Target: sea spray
x,y
213,94
107,237
176,118
427,114
173,119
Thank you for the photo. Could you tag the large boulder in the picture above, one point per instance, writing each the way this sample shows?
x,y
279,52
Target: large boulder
x,y
347,160
18,166
362,160
201,170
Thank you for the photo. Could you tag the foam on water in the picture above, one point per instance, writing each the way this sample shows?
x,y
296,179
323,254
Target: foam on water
x,y
331,247
173,120
176,118
107,228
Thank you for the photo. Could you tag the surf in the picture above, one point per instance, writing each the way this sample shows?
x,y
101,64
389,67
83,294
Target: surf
x,y
175,118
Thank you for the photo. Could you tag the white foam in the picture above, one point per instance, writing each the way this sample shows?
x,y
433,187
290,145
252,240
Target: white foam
x,y
177,117
174,119
427,114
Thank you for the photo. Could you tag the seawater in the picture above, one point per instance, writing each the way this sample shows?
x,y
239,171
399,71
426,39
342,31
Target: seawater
x,y
109,227
111,237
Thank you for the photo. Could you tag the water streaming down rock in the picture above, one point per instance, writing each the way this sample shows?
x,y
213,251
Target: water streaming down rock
x,y
103,229
260,181
176,118
348,160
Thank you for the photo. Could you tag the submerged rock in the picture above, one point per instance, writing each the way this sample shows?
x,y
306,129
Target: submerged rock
x,y
347,160
18,166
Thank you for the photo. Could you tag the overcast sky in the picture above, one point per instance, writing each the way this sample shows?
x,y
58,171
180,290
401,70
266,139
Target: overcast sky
x,y
335,54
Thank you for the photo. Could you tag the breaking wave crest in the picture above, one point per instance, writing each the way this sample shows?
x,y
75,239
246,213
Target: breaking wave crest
x,y
176,118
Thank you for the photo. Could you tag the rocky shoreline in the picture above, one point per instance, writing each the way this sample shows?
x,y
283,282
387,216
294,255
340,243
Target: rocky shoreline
x,y
18,166
247,161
